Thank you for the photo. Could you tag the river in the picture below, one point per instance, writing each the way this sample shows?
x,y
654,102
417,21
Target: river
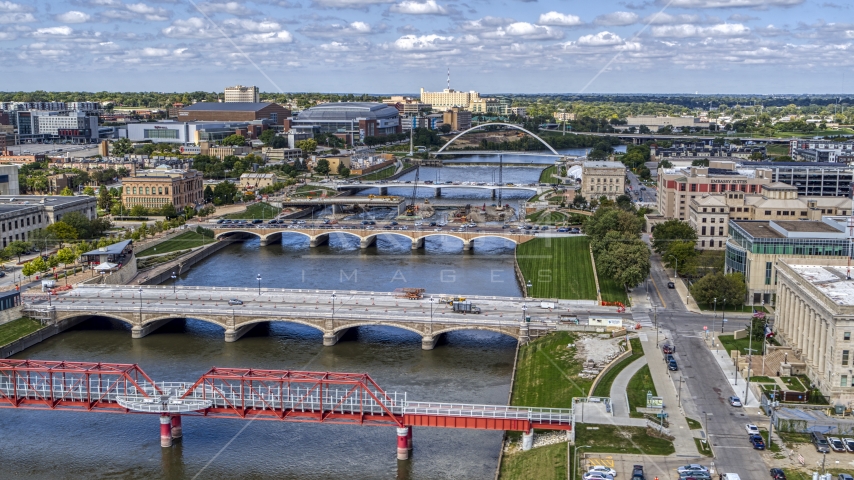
x,y
467,366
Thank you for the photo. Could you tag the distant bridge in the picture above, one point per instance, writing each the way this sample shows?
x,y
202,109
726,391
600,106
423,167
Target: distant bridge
x,y
438,188
492,124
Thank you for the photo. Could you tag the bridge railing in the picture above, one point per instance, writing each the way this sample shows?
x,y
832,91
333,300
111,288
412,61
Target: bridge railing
x,y
561,416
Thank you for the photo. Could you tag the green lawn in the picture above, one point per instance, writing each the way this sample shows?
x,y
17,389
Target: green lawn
x,y
619,439
558,267
259,210
603,388
546,373
693,424
379,174
544,217
543,463
313,191
9,332
775,446
183,241
761,379
794,384
776,150
638,386
546,175
703,447
741,345
612,291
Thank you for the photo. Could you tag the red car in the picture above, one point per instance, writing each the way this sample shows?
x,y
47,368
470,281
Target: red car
x,y
668,349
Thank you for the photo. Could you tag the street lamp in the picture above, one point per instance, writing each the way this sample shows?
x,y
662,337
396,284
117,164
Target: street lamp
x,y
173,282
140,305
714,316
723,317
675,270
259,283
575,463
333,306
431,313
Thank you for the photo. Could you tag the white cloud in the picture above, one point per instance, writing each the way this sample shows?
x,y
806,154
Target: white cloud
x,y
728,3
154,52
559,19
683,31
357,4
485,23
409,7
252,25
336,30
17,18
667,19
283,36
9,7
616,19
525,30
601,39
230,8
421,43
63,31
193,27
73,17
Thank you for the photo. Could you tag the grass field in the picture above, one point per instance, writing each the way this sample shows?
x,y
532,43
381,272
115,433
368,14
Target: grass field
x,y
558,268
775,150
9,332
703,448
612,291
546,175
693,424
546,373
544,463
620,439
603,388
313,190
638,386
547,218
741,345
183,241
380,174
260,210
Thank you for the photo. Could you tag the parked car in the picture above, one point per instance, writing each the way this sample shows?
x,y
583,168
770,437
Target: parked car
x,y
603,469
597,476
778,474
757,442
672,366
696,476
562,230
836,444
735,401
691,468
751,429
671,285
668,348
668,357
637,473
235,301
849,444
820,442
844,476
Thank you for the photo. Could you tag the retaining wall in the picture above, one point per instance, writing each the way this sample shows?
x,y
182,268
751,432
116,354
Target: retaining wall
x,y
161,273
10,314
121,277
38,336
611,365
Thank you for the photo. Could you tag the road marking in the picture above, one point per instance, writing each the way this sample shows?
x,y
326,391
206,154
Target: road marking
x,y
660,298
601,462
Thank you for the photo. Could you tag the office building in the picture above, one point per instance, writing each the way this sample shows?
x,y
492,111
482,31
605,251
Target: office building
x,y
448,98
252,181
820,150
709,214
815,316
820,179
163,185
9,180
564,116
407,105
602,179
280,154
21,215
186,133
347,120
234,112
242,94
457,118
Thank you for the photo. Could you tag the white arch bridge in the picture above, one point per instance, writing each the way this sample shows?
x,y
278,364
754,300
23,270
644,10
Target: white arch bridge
x,y
147,308
492,124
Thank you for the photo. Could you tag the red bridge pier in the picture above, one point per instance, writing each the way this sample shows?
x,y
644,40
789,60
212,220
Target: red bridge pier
x,y
177,432
404,442
165,431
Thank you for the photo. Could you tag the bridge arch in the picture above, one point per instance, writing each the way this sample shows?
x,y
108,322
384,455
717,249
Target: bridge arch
x,y
257,321
379,324
474,327
517,127
230,232
182,317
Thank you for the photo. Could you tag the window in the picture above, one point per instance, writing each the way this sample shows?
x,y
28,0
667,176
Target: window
x,y
702,243
843,380
720,231
704,209
767,212
127,189
779,213
681,187
146,190
693,187
845,357
704,231
167,190
846,336
768,273
704,219
160,190
720,243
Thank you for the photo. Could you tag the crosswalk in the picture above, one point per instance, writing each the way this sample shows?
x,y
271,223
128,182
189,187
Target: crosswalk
x,y
643,319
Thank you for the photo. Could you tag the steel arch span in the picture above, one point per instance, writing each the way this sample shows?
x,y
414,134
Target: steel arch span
x,y
517,127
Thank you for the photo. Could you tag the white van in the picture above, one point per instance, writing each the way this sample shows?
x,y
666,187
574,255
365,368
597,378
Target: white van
x,y
731,476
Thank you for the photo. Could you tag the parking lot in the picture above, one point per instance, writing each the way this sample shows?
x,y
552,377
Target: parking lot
x,y
55,149
654,467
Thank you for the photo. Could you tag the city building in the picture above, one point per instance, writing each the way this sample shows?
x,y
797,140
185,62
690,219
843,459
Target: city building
x,y
21,215
703,150
186,133
222,151
234,112
489,106
679,185
9,158
349,121
815,316
163,185
449,98
457,118
250,181
519,111
755,246
407,105
654,121
334,161
9,180
709,214
59,182
564,116
239,93
280,154
820,150
812,179
430,122
602,179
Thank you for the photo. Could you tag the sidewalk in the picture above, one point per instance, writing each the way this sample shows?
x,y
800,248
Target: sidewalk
x,y
619,400
737,383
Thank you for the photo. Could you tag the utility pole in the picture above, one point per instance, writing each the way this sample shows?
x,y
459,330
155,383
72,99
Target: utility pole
x,y
749,358
771,417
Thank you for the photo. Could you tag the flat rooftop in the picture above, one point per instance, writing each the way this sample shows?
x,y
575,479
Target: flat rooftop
x,y
830,280
49,200
764,229
603,164
806,226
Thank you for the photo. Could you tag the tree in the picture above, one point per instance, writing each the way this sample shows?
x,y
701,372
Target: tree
x,y
607,219
322,167
138,211
18,248
41,238
39,264
278,142
626,260
208,194
670,231
65,256
445,128
105,200
579,201
29,269
684,253
234,140
665,164
122,147
308,146
189,211
225,193
344,172
62,231
89,191
81,224
729,287
267,136
67,192
169,211
624,202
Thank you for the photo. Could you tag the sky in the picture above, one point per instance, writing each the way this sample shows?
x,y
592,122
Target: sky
x,y
400,46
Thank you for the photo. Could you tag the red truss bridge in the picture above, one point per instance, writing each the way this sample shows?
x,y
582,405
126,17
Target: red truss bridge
x,y
252,394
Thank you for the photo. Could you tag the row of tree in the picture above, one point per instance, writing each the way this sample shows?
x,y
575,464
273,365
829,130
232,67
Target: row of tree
x,y
614,231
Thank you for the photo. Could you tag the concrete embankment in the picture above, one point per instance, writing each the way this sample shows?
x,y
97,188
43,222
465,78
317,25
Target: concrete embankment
x,y
38,336
161,273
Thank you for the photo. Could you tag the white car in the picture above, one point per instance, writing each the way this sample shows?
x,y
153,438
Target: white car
x,y
597,476
692,468
751,429
849,443
602,469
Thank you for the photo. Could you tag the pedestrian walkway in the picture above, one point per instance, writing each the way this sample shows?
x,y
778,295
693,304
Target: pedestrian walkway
x,y
642,318
619,400
737,383
595,413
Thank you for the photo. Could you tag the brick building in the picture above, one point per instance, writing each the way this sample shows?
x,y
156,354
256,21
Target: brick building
x,y
163,185
234,112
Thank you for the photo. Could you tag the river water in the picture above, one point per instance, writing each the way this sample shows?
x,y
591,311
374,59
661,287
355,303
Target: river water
x,y
467,366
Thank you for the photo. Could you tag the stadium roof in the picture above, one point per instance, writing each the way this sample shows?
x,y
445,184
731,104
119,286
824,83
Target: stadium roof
x,y
226,106
346,111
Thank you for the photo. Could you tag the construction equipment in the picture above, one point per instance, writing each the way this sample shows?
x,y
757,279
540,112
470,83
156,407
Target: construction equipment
x,y
411,208
409,293
451,300
465,307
